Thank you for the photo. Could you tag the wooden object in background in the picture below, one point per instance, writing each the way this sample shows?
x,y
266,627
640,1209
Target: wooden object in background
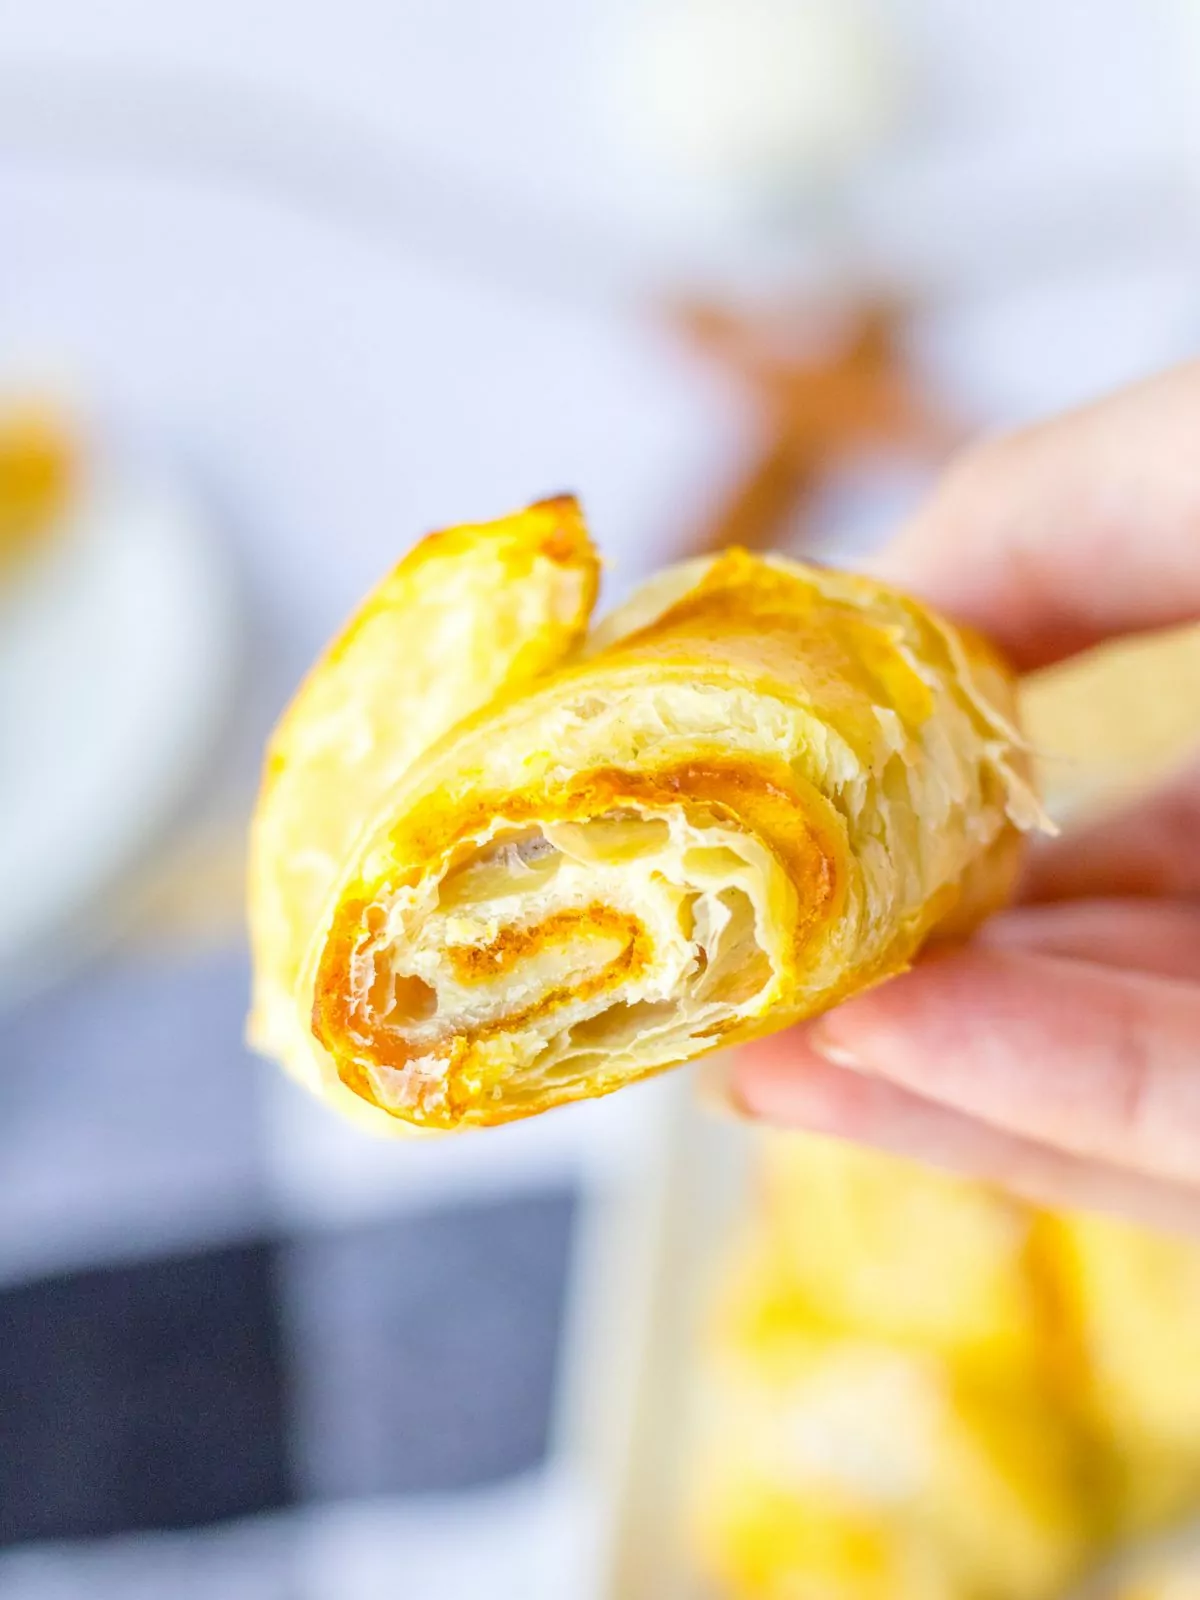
x,y
828,385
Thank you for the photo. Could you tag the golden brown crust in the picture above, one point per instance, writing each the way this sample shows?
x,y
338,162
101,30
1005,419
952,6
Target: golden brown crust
x,y
762,789
468,613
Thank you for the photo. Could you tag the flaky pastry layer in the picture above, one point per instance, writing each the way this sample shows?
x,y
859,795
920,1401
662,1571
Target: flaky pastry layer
x,y
500,864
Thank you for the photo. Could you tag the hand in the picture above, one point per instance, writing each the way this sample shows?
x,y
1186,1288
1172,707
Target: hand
x,y
1059,1053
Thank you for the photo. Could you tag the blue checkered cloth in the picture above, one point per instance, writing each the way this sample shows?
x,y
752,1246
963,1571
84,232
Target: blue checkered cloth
x,y
245,1350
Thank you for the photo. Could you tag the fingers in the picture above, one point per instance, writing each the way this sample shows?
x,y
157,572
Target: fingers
x,y
1152,849
1135,935
786,1083
1098,1063
1067,533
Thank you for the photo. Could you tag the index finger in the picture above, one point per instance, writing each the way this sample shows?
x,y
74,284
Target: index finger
x,y
1086,1058
1061,535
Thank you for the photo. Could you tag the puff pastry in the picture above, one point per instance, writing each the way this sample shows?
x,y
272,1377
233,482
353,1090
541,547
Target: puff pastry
x,y
500,862
903,1252
1135,1299
804,1423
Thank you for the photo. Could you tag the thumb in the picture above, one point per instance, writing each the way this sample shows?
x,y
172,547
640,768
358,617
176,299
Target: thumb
x,y
1078,529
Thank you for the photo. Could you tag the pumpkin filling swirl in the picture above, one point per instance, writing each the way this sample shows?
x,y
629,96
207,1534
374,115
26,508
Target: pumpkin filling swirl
x,y
538,959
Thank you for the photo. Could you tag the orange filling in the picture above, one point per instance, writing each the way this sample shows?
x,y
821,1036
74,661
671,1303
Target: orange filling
x,y
480,963
360,1032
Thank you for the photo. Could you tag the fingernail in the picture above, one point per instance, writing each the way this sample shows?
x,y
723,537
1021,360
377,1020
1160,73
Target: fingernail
x,y
716,1091
821,1040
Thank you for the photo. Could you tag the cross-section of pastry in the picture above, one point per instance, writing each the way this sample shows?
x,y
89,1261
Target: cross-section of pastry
x,y
500,863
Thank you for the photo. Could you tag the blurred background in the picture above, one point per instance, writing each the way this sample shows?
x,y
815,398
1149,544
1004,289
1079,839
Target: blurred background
x,y
283,287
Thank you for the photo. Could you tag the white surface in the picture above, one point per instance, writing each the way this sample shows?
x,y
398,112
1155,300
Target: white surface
x,y
522,1542
501,125
116,661
518,1542
345,398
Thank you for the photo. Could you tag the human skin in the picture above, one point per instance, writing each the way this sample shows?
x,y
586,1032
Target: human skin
x,y
1058,1053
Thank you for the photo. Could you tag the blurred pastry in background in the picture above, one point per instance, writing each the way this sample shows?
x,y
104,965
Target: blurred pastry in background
x,y
902,1251
38,476
1015,1393
761,1543
1135,1298
804,1419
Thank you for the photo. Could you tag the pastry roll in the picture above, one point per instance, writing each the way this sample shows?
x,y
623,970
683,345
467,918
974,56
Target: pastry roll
x,y
904,1252
500,863
799,1423
1135,1297
760,1543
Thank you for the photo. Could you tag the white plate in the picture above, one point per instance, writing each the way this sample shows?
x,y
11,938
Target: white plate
x,y
116,667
